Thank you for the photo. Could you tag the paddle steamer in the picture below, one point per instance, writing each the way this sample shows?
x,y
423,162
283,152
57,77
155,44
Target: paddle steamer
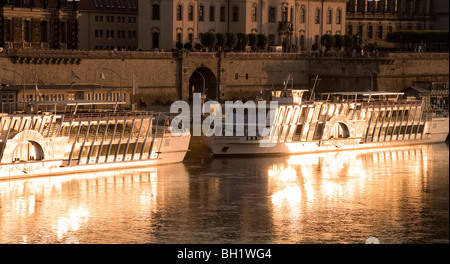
x,y
338,121
52,143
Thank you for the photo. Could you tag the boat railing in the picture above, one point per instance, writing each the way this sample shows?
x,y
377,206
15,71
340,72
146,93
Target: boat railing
x,y
96,115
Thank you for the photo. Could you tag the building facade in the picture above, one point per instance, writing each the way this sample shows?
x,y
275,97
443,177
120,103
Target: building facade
x,y
372,20
108,24
46,24
293,24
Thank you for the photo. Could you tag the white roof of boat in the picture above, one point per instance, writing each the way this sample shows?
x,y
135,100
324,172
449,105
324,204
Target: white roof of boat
x,y
367,93
75,102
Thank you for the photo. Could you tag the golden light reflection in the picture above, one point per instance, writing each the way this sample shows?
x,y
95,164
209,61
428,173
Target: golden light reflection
x,y
72,222
52,209
342,179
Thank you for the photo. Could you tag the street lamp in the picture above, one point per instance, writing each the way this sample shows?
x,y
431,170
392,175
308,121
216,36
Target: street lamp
x,y
371,77
23,84
204,83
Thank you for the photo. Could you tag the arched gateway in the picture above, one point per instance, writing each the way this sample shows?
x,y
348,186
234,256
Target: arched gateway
x,y
205,82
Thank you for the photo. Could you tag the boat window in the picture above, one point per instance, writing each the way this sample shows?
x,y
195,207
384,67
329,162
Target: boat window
x,y
319,131
280,116
304,111
276,93
288,116
296,113
297,133
380,115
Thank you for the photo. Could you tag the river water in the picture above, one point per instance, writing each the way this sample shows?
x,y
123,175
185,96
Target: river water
x,y
398,195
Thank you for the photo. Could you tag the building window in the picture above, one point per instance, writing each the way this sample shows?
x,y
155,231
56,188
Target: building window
x,y
254,13
338,16
360,30
272,17
212,13
361,5
201,11
316,39
190,13
155,39
179,12
317,16
179,37
27,31
155,12
284,14
235,14
380,32
329,16
222,13
349,30
44,31
303,14
302,42
370,32
63,32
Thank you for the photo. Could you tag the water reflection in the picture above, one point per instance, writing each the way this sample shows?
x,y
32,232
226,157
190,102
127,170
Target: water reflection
x,y
398,195
346,197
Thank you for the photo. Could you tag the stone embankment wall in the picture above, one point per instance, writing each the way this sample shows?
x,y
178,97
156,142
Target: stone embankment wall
x,y
163,76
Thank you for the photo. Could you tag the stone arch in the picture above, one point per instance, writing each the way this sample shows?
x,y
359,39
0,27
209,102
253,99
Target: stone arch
x,y
203,81
25,139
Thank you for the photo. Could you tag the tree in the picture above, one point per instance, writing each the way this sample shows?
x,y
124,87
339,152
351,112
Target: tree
x,y
231,41
208,40
188,45
253,41
348,42
179,45
242,41
263,40
221,39
338,41
198,46
328,41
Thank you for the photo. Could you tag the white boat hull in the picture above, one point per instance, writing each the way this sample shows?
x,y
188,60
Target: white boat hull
x,y
247,146
172,151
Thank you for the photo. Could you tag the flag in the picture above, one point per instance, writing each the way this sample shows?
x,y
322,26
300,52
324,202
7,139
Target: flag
x,y
135,85
102,76
38,94
75,76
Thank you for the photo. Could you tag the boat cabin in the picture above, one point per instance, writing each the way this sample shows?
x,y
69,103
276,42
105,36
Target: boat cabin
x,y
361,96
287,96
